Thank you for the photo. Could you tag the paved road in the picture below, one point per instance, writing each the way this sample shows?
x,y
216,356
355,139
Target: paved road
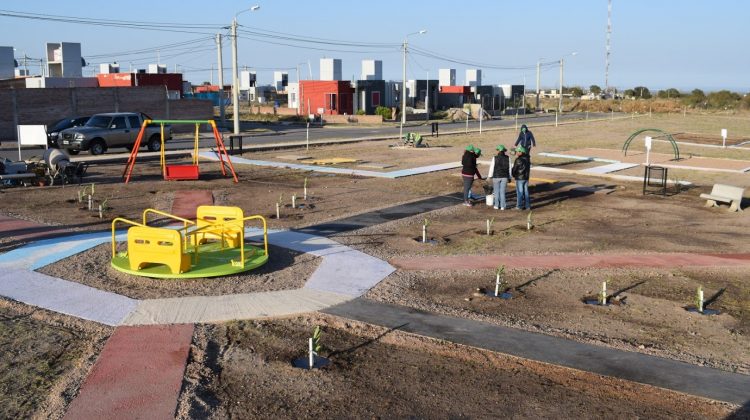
x,y
278,133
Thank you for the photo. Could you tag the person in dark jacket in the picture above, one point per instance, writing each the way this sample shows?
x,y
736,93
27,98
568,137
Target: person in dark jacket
x,y
521,171
526,139
469,170
500,174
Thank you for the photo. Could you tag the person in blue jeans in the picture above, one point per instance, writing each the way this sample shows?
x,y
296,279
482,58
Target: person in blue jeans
x,y
500,174
521,171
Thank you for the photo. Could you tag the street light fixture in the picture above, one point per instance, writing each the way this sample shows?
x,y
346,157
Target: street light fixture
x,y
403,83
235,75
558,114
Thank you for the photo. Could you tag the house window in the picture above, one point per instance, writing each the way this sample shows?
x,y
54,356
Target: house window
x,y
375,99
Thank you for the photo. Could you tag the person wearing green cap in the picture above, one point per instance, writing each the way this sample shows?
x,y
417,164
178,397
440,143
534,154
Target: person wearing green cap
x,y
469,170
526,139
500,174
521,172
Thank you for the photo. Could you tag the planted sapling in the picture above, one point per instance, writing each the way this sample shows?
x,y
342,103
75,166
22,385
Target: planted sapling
x,y
424,230
304,196
489,225
500,280
699,299
602,298
529,223
314,346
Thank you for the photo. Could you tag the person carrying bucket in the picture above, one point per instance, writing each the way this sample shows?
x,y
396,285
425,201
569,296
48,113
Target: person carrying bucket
x,y
469,170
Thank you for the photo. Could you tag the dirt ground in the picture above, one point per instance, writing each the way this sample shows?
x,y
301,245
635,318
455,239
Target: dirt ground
x,y
651,319
244,369
44,358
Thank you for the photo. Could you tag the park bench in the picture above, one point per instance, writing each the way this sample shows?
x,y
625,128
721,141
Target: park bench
x,y
722,193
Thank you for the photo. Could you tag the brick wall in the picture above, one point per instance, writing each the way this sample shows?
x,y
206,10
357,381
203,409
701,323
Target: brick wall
x,y
45,106
256,109
355,119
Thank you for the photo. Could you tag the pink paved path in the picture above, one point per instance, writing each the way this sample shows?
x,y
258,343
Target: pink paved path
x,y
664,260
185,202
10,227
138,375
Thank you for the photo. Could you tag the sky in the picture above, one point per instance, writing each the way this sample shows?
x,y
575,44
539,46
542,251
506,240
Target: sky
x,y
655,43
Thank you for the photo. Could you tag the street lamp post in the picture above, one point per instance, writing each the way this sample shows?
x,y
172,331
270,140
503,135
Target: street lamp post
x,y
558,114
220,63
235,76
403,84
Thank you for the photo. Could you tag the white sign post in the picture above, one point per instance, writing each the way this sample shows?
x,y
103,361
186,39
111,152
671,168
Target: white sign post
x,y
31,135
724,138
648,149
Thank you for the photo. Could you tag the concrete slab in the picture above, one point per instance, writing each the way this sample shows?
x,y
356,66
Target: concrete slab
x,y
224,308
612,167
293,157
375,165
138,375
663,159
664,373
65,297
566,261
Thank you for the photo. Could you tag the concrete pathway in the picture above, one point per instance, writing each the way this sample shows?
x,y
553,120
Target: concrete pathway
x,y
334,170
138,375
384,215
567,261
343,274
631,366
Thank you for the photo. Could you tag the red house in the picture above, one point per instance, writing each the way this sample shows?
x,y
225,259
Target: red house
x,y
327,97
173,81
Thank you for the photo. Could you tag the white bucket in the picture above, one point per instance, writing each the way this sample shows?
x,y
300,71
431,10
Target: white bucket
x,y
490,199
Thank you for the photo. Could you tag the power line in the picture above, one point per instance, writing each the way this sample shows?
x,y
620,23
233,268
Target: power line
x,y
307,47
437,56
164,47
150,26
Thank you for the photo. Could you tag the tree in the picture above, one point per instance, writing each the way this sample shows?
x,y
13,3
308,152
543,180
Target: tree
x,y
596,90
723,99
746,101
641,92
576,92
673,93
696,97
629,93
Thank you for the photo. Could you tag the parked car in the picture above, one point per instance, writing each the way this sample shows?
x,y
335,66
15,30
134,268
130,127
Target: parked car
x,y
116,129
54,129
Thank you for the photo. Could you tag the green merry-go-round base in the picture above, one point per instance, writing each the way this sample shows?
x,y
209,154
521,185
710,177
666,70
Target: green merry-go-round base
x,y
213,261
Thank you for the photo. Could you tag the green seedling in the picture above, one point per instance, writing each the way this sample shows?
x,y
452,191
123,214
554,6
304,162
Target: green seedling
x,y
489,225
529,222
314,346
424,230
500,280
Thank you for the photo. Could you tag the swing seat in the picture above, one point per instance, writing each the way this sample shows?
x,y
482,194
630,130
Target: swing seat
x,y
181,172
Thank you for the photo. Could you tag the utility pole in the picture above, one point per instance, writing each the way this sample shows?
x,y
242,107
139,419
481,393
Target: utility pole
x,y
235,84
538,68
560,103
427,97
220,56
403,92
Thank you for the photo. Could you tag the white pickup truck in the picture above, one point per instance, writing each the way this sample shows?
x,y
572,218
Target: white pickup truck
x,y
117,129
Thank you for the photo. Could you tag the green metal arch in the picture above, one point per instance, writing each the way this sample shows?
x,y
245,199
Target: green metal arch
x,y
643,130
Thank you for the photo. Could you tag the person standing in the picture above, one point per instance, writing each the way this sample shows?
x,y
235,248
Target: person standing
x,y
500,173
521,171
526,139
469,170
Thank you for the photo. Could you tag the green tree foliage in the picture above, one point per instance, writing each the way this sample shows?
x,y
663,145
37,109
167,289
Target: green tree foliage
x,y
384,111
595,89
641,92
629,93
723,99
746,101
576,92
669,93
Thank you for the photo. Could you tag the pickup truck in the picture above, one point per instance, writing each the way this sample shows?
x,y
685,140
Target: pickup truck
x,y
117,129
